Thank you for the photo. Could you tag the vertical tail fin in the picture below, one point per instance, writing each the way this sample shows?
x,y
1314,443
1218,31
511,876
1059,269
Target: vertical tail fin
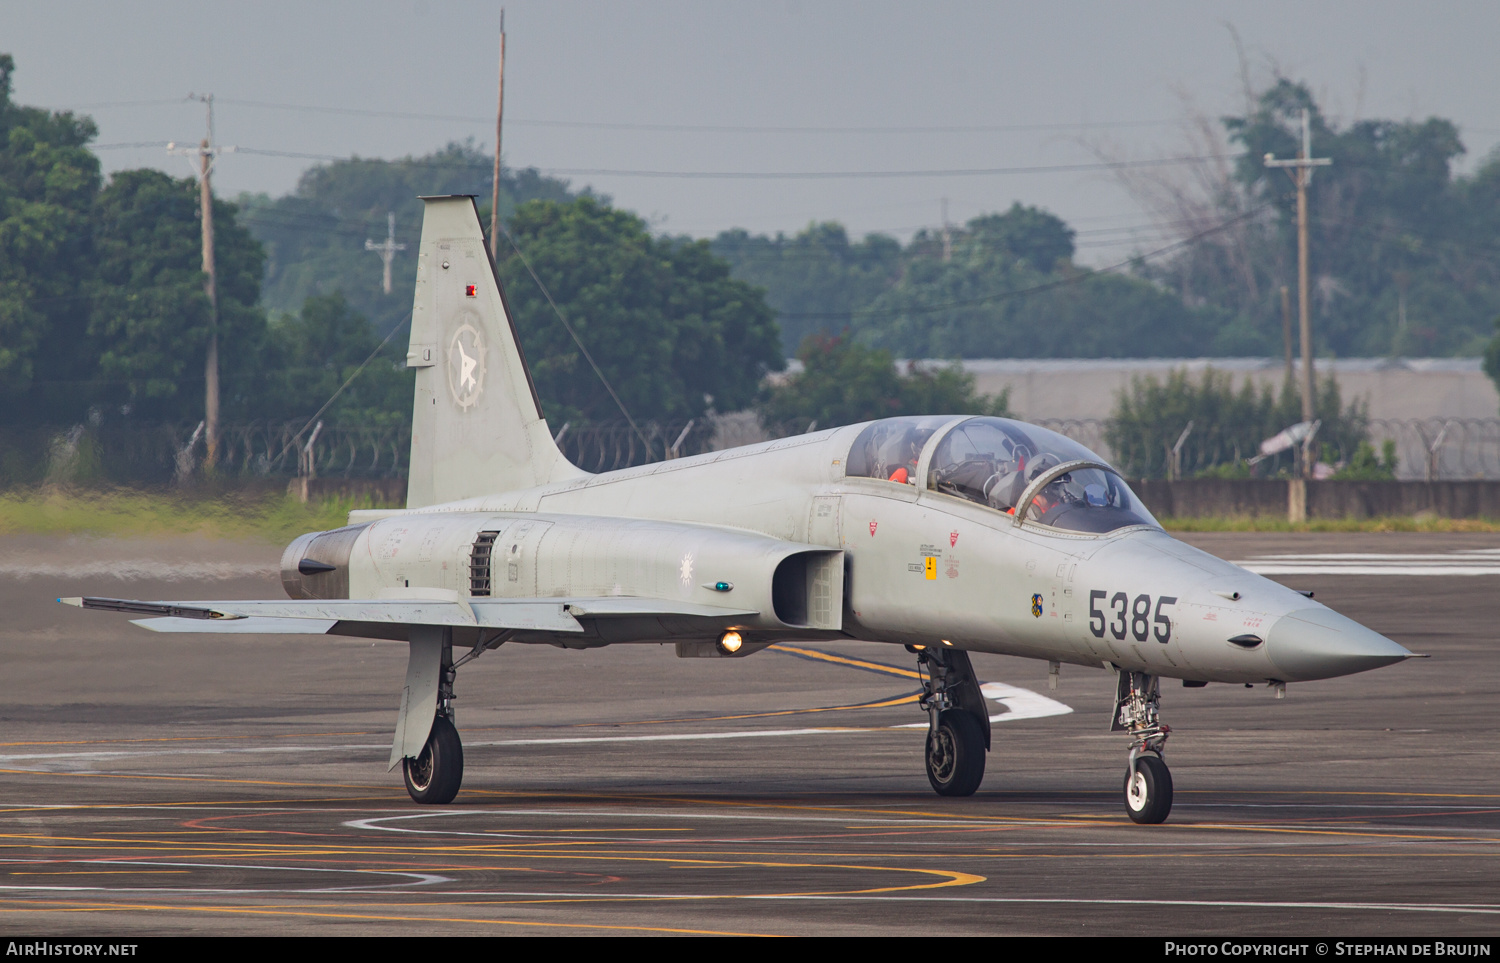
x,y
477,425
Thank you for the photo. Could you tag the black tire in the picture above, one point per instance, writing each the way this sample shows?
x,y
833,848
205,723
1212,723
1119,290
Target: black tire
x,y
1152,799
955,755
434,776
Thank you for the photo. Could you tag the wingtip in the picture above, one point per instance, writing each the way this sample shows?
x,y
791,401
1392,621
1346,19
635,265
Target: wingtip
x,y
76,602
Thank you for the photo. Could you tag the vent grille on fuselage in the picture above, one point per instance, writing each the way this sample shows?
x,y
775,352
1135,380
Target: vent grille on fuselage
x,y
479,564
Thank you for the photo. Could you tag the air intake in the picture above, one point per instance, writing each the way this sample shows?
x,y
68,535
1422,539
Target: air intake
x,y
479,564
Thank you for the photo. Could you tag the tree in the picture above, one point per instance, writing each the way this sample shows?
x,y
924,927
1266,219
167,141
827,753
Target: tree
x,y
48,180
1027,234
988,299
1492,356
672,331
816,279
1402,251
315,351
315,236
1228,426
149,315
843,382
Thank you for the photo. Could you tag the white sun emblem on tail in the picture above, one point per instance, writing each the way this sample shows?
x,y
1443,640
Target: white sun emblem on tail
x,y
466,367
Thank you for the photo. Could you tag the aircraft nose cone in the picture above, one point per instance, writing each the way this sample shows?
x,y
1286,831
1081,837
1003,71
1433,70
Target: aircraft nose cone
x,y
1321,644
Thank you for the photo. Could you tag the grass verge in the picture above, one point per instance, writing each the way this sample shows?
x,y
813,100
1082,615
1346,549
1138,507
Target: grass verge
x,y
271,516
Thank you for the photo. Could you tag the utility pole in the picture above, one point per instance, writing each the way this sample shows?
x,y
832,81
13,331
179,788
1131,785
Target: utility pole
x,y
206,153
1300,171
947,234
387,249
495,190
1286,334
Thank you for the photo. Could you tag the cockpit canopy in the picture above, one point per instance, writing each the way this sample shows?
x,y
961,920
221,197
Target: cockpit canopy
x,y
992,462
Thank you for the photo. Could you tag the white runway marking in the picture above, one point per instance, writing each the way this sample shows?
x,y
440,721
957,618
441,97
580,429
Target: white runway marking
x,y
1486,908
412,879
134,569
1022,703
1482,561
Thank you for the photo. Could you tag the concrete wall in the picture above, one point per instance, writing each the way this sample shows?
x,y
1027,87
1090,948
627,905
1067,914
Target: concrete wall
x,y
1392,387
1206,498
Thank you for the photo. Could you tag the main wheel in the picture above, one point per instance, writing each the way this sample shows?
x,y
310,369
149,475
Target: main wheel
x,y
955,755
435,775
1148,790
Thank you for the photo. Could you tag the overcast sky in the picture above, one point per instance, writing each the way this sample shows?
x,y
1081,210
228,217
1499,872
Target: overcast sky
x,y
1046,85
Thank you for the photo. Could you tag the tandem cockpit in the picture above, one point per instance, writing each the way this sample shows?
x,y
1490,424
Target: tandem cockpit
x,y
1007,466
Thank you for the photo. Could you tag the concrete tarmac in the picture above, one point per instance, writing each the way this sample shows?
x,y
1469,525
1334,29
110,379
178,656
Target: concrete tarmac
x,y
158,785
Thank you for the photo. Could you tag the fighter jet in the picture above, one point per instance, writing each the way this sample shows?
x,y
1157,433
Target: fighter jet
x,y
944,535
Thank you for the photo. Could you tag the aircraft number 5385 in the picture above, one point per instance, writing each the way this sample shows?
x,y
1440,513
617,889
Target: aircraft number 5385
x,y
1134,615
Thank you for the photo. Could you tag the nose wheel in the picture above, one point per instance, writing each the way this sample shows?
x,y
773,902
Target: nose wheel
x,y
1148,791
1148,782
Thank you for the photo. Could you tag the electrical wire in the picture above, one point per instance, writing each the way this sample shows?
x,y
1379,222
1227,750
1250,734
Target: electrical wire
x,y
573,334
1036,288
347,381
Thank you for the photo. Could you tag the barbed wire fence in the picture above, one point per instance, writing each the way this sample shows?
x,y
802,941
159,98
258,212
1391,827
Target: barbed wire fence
x,y
1427,449
163,454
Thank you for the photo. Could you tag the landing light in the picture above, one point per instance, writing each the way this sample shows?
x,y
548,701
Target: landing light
x,y
730,642
946,642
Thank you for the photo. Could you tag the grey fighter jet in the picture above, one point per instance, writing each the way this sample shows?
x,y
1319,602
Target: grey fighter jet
x,y
944,534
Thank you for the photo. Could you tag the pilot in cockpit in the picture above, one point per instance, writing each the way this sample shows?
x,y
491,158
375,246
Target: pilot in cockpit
x,y
900,453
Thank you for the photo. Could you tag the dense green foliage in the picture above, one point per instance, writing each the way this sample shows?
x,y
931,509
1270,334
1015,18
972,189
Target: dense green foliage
x,y
1403,252
1366,465
314,351
990,300
816,279
102,304
48,180
843,382
671,330
104,317
1228,425
149,318
1003,285
315,237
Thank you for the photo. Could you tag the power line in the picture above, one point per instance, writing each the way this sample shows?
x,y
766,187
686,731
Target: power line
x,y
1036,288
796,175
573,334
853,175
660,127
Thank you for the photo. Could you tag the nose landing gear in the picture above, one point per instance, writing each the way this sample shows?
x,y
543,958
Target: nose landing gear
x,y
959,734
1148,782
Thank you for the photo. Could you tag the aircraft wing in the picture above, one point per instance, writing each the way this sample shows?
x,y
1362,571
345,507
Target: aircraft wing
x,y
321,616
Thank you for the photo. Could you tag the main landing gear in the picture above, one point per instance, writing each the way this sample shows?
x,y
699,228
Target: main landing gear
x,y
959,734
435,775
1148,782
427,746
